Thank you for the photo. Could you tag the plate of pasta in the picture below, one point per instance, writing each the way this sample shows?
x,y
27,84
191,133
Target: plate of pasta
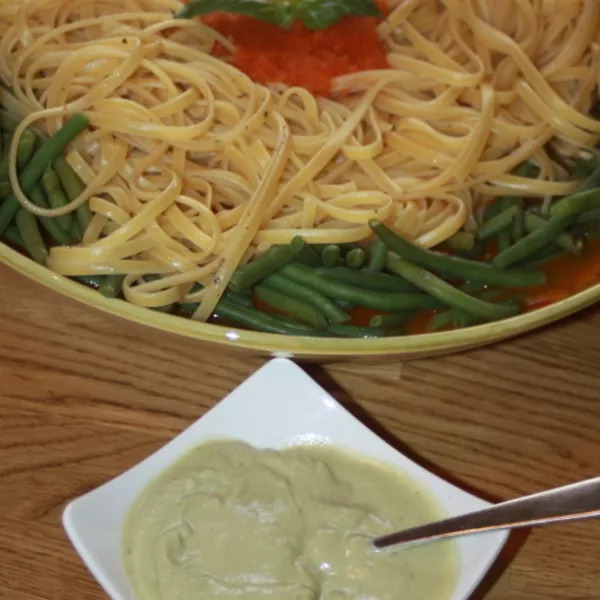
x,y
351,177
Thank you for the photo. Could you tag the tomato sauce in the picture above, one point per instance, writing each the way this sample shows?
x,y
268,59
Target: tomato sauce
x,y
567,274
300,56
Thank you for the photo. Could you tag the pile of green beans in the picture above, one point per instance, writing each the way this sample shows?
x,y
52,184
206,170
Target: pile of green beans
x,y
36,159
314,287
312,290
49,182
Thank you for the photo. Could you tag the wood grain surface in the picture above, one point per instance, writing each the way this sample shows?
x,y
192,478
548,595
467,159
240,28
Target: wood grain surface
x,y
84,396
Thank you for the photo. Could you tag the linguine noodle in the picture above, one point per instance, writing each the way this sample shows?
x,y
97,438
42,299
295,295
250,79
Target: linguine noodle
x,y
192,169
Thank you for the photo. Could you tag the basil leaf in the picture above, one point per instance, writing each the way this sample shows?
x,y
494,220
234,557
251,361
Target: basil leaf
x,y
277,13
321,14
315,14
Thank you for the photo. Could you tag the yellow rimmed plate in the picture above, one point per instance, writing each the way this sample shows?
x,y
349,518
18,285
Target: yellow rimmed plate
x,y
404,347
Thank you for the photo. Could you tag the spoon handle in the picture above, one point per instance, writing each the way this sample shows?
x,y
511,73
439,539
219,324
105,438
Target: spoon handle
x,y
575,501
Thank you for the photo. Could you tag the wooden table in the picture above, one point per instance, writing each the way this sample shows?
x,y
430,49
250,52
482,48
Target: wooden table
x,y
84,396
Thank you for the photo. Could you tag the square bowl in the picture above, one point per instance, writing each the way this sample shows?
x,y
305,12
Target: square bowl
x,y
278,406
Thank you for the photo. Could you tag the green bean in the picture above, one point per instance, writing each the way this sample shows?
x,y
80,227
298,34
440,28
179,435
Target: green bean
x,y
318,248
56,196
459,318
457,267
384,301
30,234
392,320
76,233
5,189
498,205
563,213
491,210
295,323
191,307
453,317
516,231
527,169
592,182
497,224
446,293
543,255
309,256
8,121
345,247
303,311
93,281
586,198
44,156
474,253
377,256
272,260
332,255
589,216
356,258
370,281
259,321
50,224
492,294
111,286
473,287
329,308
531,243
518,224
5,144
354,331
167,308
52,228
24,151
583,169
241,299
580,202
13,237
73,187
504,235
564,240
345,304
461,241
247,292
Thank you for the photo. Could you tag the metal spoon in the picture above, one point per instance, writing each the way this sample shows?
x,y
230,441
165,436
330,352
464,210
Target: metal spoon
x,y
568,503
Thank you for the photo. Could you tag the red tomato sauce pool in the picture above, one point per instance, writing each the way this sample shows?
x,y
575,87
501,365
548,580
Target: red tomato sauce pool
x,y
300,57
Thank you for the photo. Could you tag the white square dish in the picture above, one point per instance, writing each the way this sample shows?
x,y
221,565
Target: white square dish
x,y
277,406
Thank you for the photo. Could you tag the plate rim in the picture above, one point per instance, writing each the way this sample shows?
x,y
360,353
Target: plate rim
x,y
284,345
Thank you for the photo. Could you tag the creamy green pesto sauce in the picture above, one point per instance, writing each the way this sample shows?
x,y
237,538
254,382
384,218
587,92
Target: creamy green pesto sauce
x,y
230,522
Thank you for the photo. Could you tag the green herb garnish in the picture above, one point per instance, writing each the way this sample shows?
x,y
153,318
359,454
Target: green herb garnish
x,y
315,14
